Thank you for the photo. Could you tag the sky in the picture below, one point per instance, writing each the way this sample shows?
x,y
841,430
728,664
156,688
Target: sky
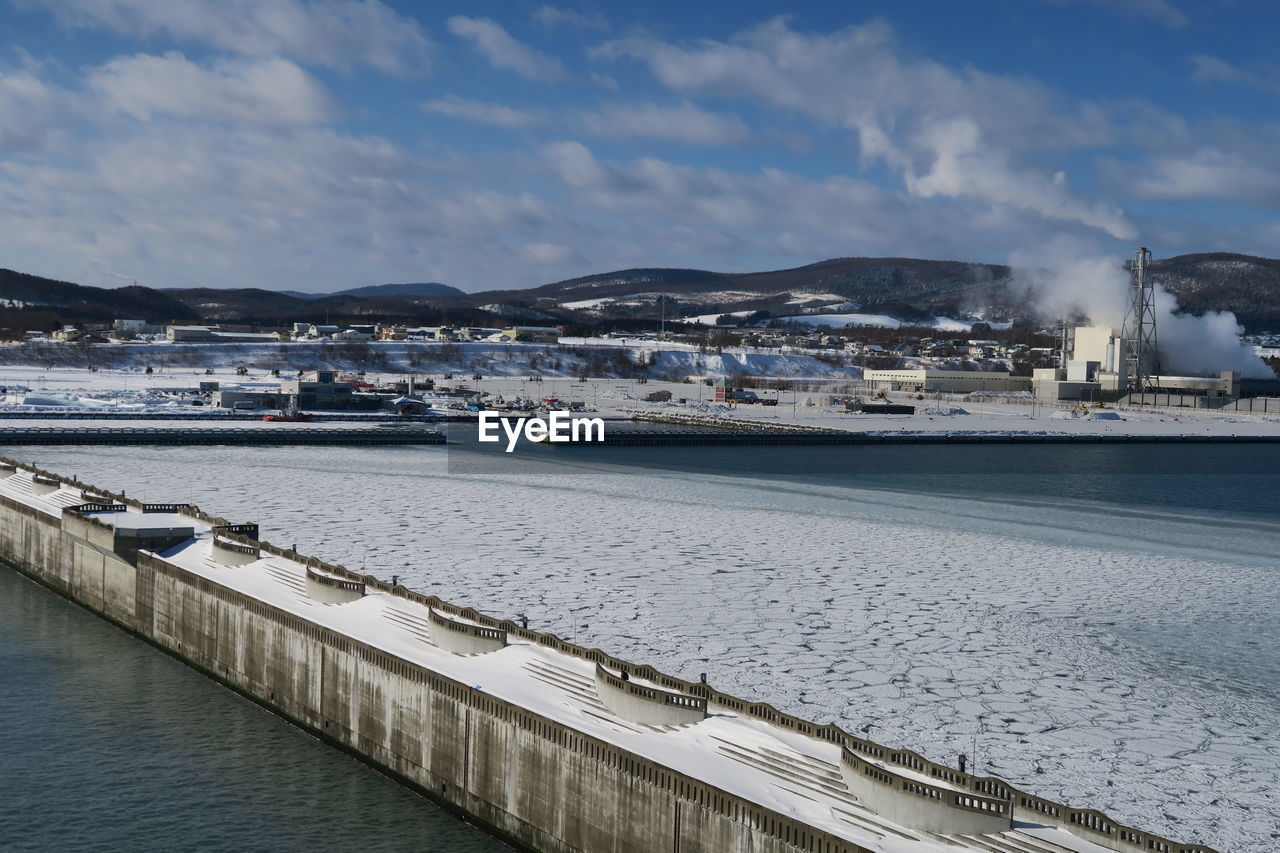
x,y
317,145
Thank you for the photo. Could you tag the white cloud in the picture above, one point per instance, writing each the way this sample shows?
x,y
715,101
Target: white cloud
x,y
505,52
339,33
553,17
227,171
682,215
965,166
499,115
308,208
1211,69
28,111
254,91
682,122
954,133
1209,174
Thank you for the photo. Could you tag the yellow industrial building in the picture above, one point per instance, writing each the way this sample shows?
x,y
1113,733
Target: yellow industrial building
x,y
949,381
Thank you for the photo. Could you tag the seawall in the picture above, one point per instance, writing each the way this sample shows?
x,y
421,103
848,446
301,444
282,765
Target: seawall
x,y
549,745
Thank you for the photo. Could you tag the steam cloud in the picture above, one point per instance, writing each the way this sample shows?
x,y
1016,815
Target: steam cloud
x,y
1059,282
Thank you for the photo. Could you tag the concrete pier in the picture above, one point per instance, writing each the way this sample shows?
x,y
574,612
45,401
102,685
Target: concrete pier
x,y
266,436
762,437
549,745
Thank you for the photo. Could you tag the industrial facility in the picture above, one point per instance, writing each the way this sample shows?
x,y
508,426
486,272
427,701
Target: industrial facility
x,y
1100,363
1097,367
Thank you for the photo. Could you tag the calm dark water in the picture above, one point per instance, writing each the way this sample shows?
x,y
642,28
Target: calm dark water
x,y
108,744
1224,478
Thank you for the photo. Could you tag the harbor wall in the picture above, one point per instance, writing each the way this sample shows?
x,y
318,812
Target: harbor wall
x,y
537,783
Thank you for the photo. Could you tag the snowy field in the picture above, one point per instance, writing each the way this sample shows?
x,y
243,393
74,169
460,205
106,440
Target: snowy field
x,y
1107,653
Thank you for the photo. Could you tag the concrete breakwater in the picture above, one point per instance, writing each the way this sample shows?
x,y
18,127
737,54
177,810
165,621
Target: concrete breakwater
x,y
211,415
551,745
734,437
186,436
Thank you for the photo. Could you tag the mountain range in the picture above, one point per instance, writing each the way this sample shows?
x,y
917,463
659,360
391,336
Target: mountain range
x,y
910,290
430,288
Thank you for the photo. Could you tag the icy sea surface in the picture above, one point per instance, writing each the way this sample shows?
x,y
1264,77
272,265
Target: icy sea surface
x,y
1096,625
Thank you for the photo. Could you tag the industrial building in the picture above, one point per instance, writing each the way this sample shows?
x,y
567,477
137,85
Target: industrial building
x,y
533,334
1096,369
1099,363
319,389
949,381
212,334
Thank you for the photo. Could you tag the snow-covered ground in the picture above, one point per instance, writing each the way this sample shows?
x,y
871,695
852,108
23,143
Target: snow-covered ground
x,y
1109,653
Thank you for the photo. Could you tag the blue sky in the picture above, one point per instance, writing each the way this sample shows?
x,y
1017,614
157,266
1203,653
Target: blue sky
x,y
328,144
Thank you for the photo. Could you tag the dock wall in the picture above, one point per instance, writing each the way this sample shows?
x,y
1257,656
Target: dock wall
x,y
537,783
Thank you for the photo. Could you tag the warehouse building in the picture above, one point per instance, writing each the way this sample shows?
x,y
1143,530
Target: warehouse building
x,y
947,381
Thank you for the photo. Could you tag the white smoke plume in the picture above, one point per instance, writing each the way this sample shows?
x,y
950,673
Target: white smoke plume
x,y
1206,344
1060,281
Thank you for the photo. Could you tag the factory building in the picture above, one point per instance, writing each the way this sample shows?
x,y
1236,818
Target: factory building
x,y
212,334
321,389
949,381
1096,369
533,334
317,390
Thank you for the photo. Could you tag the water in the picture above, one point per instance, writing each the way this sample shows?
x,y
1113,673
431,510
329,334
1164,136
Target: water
x,y
1099,620
108,744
